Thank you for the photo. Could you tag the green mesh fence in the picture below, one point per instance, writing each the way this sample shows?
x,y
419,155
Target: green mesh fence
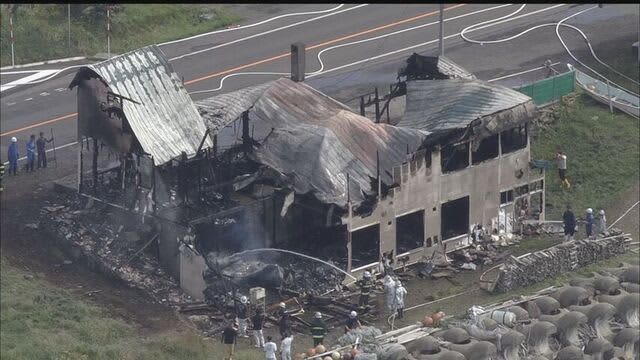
x,y
550,89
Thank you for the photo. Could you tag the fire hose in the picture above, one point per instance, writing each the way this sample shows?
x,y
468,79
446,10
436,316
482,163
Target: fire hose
x,y
557,27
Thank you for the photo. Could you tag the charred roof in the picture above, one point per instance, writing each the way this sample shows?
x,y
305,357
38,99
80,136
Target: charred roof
x,y
162,115
314,140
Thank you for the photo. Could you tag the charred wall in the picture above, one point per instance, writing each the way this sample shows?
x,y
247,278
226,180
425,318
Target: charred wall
x,y
427,188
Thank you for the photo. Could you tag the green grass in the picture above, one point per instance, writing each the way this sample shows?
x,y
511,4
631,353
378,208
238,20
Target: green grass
x,y
40,321
602,156
41,31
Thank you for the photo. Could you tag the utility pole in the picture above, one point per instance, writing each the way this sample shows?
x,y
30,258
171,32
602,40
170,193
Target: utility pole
x,y
441,29
13,60
108,31
69,26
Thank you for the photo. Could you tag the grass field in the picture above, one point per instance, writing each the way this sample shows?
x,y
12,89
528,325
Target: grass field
x,y
602,156
41,31
42,322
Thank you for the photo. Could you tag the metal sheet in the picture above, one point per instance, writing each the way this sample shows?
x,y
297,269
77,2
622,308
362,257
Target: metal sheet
x,y
445,105
166,122
314,140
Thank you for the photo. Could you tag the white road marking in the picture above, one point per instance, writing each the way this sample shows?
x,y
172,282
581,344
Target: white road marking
x,y
44,94
267,32
252,25
28,99
429,42
60,89
27,79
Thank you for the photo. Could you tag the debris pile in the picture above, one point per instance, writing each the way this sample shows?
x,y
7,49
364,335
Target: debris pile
x,y
543,264
294,275
91,234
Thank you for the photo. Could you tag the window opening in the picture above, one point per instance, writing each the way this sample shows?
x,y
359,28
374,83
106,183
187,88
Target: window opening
x,y
514,139
487,150
365,246
454,157
410,232
506,197
455,218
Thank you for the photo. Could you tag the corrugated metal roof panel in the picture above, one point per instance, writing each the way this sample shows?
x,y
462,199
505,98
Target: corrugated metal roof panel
x,y
447,67
221,110
442,105
166,122
315,140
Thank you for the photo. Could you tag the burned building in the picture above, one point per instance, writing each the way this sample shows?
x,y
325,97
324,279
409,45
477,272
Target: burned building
x,y
282,165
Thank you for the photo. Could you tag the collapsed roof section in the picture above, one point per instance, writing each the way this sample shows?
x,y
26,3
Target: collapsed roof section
x,y
314,140
162,115
443,106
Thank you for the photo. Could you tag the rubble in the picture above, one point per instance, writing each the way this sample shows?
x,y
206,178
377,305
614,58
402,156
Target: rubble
x,y
92,236
540,265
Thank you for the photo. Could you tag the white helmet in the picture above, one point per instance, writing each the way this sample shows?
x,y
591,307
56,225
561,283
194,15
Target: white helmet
x,y
367,274
353,314
243,299
589,210
318,315
13,139
282,305
601,212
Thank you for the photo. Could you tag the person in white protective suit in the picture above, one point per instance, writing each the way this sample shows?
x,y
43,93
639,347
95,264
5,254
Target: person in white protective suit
x,y
389,293
401,293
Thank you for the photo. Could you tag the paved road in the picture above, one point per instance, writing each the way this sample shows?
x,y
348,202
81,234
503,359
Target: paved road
x,y
49,105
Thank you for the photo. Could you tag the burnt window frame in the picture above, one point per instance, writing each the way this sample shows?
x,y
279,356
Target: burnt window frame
x,y
514,139
451,148
485,145
398,220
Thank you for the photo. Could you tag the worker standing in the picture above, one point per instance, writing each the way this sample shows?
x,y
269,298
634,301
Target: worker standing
x,y
229,337
569,222
561,158
389,293
401,293
366,283
284,324
270,349
241,315
318,329
257,322
352,322
31,152
13,155
42,154
602,222
285,346
588,223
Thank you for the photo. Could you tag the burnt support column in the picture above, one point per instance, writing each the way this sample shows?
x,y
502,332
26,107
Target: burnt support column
x,y
246,139
377,103
95,166
80,168
297,61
